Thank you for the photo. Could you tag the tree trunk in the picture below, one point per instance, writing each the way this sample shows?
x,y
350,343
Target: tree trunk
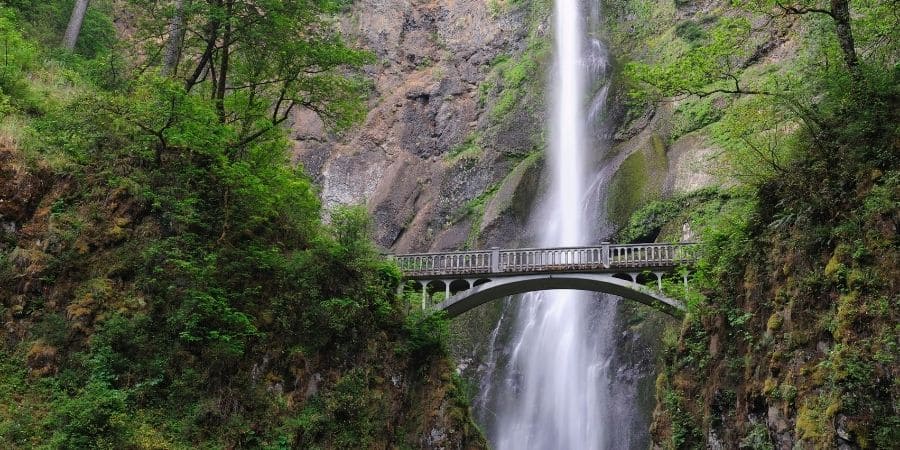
x,y
176,36
223,68
75,21
840,12
212,33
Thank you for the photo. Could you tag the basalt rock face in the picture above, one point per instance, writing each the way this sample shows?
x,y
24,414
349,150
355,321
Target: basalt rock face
x,y
405,161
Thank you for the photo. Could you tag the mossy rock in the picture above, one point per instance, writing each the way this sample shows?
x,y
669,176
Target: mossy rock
x,y
516,192
640,179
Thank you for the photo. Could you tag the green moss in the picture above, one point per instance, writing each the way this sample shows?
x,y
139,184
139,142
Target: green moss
x,y
517,81
475,209
774,323
848,312
663,219
508,98
470,150
638,180
693,114
812,426
833,267
690,31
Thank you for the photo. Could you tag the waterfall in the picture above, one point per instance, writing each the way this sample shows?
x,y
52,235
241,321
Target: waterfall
x,y
552,386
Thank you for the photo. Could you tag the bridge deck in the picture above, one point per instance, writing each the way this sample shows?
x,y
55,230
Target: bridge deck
x,y
598,259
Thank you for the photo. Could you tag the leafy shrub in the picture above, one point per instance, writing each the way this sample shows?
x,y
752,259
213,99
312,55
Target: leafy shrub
x,y
427,335
346,416
17,57
97,417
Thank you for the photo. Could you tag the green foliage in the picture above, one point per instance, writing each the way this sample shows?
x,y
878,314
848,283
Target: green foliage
x,y
690,31
757,439
809,136
352,227
756,133
261,76
717,60
97,417
514,78
694,114
21,419
646,223
346,417
685,433
17,57
189,252
98,33
428,335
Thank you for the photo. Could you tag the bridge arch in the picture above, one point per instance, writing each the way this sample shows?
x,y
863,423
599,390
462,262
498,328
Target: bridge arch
x,y
459,286
500,287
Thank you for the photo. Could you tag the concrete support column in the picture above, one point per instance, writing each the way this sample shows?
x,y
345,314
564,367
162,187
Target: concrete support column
x,y
495,259
400,288
604,257
633,277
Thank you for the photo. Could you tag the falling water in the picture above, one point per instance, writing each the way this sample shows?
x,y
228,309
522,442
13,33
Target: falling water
x,y
551,386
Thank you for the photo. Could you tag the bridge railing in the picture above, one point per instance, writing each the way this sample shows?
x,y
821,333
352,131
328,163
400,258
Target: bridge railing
x,y
452,263
531,260
551,259
643,255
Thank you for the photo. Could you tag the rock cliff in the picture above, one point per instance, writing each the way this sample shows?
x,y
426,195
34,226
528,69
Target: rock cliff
x,y
430,152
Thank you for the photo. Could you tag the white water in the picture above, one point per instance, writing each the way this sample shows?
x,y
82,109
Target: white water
x,y
551,388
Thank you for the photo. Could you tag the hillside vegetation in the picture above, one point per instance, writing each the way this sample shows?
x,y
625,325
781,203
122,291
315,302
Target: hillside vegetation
x,y
165,278
792,338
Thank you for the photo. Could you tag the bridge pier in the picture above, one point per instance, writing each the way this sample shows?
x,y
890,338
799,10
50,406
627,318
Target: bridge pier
x,y
633,277
659,280
604,254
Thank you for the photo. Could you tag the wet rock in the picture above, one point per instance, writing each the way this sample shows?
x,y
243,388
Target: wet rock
x,y
313,387
845,440
783,431
508,210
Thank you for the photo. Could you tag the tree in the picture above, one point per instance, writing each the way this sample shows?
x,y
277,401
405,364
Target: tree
x,y
732,44
172,51
75,21
838,10
702,70
258,61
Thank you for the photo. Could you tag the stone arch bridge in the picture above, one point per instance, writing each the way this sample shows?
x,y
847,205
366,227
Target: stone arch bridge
x,y
471,278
